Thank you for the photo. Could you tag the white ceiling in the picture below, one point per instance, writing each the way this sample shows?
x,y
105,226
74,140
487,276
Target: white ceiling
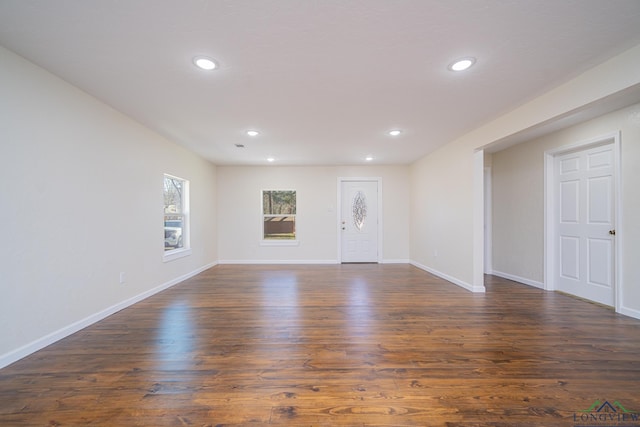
x,y
321,80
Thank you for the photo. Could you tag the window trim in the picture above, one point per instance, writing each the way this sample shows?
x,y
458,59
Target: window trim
x,y
185,250
277,242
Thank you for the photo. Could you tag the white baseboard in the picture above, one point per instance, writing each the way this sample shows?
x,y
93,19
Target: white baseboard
x,y
518,279
630,312
278,261
298,261
15,355
448,278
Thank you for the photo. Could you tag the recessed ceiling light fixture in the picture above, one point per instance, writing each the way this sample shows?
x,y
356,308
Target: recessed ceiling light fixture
x,y
270,159
462,64
369,158
394,132
253,133
205,63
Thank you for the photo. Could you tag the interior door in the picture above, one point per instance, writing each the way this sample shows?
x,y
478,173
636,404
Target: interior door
x,y
585,223
359,221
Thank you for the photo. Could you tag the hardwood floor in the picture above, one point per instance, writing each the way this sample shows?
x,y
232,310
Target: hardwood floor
x,y
341,345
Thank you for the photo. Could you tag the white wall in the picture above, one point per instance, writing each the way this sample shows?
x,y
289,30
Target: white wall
x,y
239,211
518,199
442,183
441,220
81,201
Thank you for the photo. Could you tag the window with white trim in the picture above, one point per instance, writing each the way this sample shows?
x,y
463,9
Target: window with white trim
x,y
278,215
176,216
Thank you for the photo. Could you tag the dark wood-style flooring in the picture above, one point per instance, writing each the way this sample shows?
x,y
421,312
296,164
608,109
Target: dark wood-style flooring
x,y
340,345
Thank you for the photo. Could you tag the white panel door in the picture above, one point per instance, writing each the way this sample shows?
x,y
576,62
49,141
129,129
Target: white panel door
x,y
585,223
359,221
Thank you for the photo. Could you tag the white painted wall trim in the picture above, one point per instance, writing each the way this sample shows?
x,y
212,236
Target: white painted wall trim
x,y
448,278
277,261
300,261
518,279
630,312
27,349
550,267
339,212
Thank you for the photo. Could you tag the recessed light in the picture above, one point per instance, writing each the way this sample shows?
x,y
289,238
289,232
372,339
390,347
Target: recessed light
x,y
253,133
395,132
462,64
369,158
270,159
205,63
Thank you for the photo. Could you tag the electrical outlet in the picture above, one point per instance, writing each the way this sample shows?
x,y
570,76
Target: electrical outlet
x,y
121,277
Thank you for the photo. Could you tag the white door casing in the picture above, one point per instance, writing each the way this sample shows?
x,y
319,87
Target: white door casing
x,y
582,186
359,220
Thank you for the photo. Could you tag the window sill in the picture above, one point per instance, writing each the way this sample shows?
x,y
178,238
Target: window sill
x,y
279,243
175,254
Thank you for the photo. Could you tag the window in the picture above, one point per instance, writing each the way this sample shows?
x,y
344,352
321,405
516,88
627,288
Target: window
x,y
176,217
279,215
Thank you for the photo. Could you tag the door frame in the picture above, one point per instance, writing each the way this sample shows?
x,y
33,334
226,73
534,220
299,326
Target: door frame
x,y
550,232
341,180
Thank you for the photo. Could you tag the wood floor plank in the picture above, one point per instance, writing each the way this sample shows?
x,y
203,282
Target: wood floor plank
x,y
344,345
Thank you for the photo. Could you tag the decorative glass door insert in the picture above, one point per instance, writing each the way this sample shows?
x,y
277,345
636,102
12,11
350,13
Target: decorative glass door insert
x,y
359,209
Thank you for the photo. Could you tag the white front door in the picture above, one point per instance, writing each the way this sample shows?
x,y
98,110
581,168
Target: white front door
x,y
359,221
585,212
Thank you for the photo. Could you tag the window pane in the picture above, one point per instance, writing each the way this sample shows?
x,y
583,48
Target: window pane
x,y
278,202
176,215
279,214
280,227
173,232
173,195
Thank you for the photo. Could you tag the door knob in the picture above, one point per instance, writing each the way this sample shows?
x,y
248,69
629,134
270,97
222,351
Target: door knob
x,y
612,232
